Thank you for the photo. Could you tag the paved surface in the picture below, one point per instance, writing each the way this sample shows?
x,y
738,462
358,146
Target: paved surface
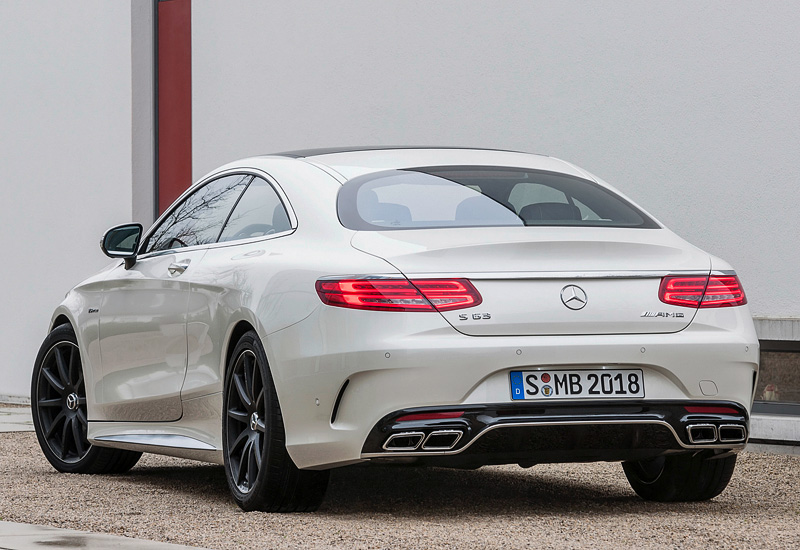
x,y
19,536
15,419
547,506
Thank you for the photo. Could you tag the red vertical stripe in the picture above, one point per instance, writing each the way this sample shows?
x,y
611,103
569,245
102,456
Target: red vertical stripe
x,y
174,100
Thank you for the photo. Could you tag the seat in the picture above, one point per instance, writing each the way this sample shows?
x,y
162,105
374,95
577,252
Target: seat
x,y
550,211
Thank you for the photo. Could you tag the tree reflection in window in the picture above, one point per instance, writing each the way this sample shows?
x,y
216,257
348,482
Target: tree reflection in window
x,y
200,217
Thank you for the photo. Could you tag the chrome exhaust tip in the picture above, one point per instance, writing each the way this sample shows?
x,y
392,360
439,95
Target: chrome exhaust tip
x,y
405,441
732,433
442,440
702,433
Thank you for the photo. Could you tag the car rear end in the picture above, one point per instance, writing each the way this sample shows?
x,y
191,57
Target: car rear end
x,y
525,316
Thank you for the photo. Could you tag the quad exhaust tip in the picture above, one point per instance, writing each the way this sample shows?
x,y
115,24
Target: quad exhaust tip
x,y
732,433
442,440
405,441
702,433
438,440
710,433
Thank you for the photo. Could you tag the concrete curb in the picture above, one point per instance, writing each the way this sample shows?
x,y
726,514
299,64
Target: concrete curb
x,y
21,536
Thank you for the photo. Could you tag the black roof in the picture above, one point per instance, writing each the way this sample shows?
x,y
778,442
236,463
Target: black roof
x,y
302,153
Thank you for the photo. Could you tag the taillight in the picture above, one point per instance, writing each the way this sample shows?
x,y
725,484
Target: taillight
x,y
704,292
399,294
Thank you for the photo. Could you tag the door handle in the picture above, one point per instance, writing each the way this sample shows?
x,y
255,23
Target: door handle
x,y
177,268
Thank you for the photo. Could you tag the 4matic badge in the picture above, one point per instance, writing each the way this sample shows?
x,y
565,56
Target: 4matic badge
x,y
662,314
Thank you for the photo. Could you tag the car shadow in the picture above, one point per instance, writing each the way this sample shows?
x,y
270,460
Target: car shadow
x,y
408,491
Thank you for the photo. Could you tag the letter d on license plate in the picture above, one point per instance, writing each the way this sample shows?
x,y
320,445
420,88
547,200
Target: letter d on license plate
x,y
577,384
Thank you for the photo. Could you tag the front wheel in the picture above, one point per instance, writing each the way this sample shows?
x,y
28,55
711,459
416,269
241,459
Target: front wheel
x,y
681,477
58,407
260,473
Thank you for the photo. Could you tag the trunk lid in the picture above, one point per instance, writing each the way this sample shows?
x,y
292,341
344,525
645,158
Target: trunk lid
x,y
549,281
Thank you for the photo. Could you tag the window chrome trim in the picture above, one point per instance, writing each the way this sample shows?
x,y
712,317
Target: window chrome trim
x,y
245,171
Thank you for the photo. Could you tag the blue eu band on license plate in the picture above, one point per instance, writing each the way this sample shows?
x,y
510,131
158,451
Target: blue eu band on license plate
x,y
577,384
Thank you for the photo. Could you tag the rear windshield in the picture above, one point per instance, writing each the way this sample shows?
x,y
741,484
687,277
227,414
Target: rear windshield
x,y
422,198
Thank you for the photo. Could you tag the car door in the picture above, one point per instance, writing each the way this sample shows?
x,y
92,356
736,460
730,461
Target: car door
x,y
224,281
142,317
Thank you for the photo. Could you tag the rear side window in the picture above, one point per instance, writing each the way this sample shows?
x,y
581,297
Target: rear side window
x,y
468,196
259,212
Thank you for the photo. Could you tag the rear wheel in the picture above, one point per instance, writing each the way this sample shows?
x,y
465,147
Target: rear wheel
x,y
680,478
58,406
260,473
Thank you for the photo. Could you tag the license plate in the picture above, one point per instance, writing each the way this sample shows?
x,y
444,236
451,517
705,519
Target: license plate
x,y
577,384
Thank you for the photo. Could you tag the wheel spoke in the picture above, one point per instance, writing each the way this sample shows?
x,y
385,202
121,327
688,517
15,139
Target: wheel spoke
x,y
240,476
239,416
71,367
241,389
77,436
54,402
56,421
62,366
257,450
248,374
64,434
252,467
83,420
238,443
261,426
53,381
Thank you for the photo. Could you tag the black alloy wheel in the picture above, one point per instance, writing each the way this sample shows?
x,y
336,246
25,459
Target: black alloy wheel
x,y
59,410
259,470
246,409
61,402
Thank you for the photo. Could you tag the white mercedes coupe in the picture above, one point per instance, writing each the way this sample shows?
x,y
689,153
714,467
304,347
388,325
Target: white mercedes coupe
x,y
297,312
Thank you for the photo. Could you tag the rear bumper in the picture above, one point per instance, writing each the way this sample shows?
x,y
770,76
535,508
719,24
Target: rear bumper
x,y
565,432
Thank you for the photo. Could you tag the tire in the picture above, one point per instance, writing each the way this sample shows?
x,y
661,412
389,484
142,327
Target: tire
x,y
680,478
58,406
260,473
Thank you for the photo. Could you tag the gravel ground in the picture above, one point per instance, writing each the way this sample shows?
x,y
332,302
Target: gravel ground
x,y
547,506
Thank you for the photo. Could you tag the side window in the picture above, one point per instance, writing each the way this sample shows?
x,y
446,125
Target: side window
x,y
200,217
259,212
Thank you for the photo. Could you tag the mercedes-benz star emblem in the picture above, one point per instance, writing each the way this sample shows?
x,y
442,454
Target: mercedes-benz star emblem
x,y
573,297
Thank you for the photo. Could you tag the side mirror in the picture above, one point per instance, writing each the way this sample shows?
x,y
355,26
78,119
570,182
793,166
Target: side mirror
x,y
122,241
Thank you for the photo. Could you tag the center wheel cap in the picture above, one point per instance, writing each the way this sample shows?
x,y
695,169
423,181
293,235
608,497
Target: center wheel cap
x,y
72,401
254,421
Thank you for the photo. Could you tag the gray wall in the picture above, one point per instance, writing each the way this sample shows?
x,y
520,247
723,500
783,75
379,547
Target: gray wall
x,y
691,108
65,159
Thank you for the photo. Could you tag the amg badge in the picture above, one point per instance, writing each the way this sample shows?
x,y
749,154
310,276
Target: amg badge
x,y
661,314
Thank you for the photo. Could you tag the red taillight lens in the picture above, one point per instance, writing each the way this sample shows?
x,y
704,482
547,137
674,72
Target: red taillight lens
x,y
704,292
711,410
399,294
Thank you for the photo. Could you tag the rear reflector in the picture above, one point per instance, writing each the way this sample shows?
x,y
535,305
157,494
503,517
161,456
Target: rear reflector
x,y
430,416
399,294
712,410
704,292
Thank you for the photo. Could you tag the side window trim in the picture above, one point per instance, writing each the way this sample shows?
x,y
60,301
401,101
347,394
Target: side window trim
x,y
253,172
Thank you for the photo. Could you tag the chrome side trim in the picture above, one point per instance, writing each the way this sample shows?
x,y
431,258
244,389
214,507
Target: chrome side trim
x,y
538,275
739,446
158,440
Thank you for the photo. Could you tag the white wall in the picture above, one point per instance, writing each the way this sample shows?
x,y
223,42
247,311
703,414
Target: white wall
x,y
689,107
65,159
